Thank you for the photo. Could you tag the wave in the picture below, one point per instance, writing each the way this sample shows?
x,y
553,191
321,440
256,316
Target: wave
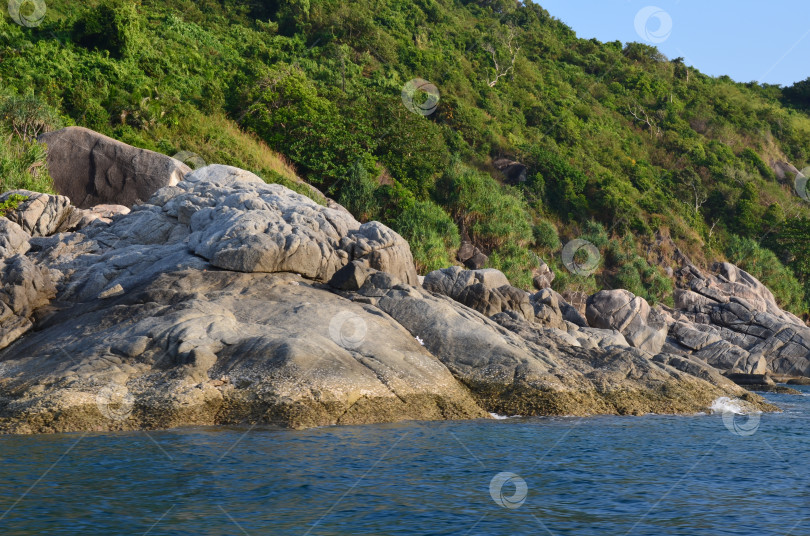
x,y
502,417
725,404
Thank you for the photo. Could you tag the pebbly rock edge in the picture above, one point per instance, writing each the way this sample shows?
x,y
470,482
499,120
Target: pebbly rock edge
x,y
223,299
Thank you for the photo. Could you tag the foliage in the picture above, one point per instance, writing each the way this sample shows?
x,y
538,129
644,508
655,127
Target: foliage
x,y
23,166
765,265
492,214
11,203
617,139
546,237
430,232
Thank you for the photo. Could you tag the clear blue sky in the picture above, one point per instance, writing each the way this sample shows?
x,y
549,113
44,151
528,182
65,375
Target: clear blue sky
x,y
763,40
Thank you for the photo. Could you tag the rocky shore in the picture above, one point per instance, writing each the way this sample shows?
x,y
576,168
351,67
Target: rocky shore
x,y
221,299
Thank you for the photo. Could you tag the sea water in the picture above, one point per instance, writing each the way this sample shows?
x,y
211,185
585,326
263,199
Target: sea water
x,y
710,474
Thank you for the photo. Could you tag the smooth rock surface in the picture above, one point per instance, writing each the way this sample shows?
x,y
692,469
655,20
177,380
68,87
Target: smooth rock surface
x,y
209,305
92,169
629,314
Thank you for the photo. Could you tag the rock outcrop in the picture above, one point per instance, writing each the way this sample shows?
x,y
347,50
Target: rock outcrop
x,y
629,314
92,169
514,171
224,300
732,321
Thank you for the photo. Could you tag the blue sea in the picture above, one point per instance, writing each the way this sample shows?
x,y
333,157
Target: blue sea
x,y
651,475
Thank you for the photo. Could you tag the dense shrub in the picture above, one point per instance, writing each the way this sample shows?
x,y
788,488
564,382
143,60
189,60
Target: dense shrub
x,y
545,236
431,233
492,214
765,265
610,133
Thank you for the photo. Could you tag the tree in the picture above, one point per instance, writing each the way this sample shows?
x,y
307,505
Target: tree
x,y
794,236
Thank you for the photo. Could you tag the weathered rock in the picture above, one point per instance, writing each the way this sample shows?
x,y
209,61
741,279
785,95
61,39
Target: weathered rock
x,y
351,277
477,261
486,291
631,315
599,338
799,381
13,239
576,299
167,316
510,374
466,251
783,169
290,353
40,214
547,309
92,169
571,313
542,276
472,257
240,223
100,213
732,320
24,288
514,171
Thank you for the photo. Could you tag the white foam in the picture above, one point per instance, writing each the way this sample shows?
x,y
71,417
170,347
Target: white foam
x,y
502,417
725,404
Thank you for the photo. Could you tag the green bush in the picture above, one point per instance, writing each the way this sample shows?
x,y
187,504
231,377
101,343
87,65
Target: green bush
x,y
23,166
11,203
492,214
431,233
545,236
516,262
357,194
114,25
764,265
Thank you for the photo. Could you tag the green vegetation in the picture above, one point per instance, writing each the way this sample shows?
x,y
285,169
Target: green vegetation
x,y
11,203
620,142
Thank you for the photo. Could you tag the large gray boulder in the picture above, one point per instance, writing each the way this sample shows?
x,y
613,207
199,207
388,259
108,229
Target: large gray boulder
x,y
629,314
24,288
731,320
206,347
488,291
40,214
240,223
207,305
92,169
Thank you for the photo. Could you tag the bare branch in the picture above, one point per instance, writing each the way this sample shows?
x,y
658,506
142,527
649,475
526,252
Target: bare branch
x,y
513,52
640,115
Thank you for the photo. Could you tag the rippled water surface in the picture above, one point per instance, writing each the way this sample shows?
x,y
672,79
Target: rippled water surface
x,y
651,475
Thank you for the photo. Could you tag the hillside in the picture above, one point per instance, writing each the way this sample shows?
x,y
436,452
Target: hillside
x,y
622,146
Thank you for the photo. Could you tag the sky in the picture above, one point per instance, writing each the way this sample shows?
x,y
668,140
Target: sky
x,y
767,41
